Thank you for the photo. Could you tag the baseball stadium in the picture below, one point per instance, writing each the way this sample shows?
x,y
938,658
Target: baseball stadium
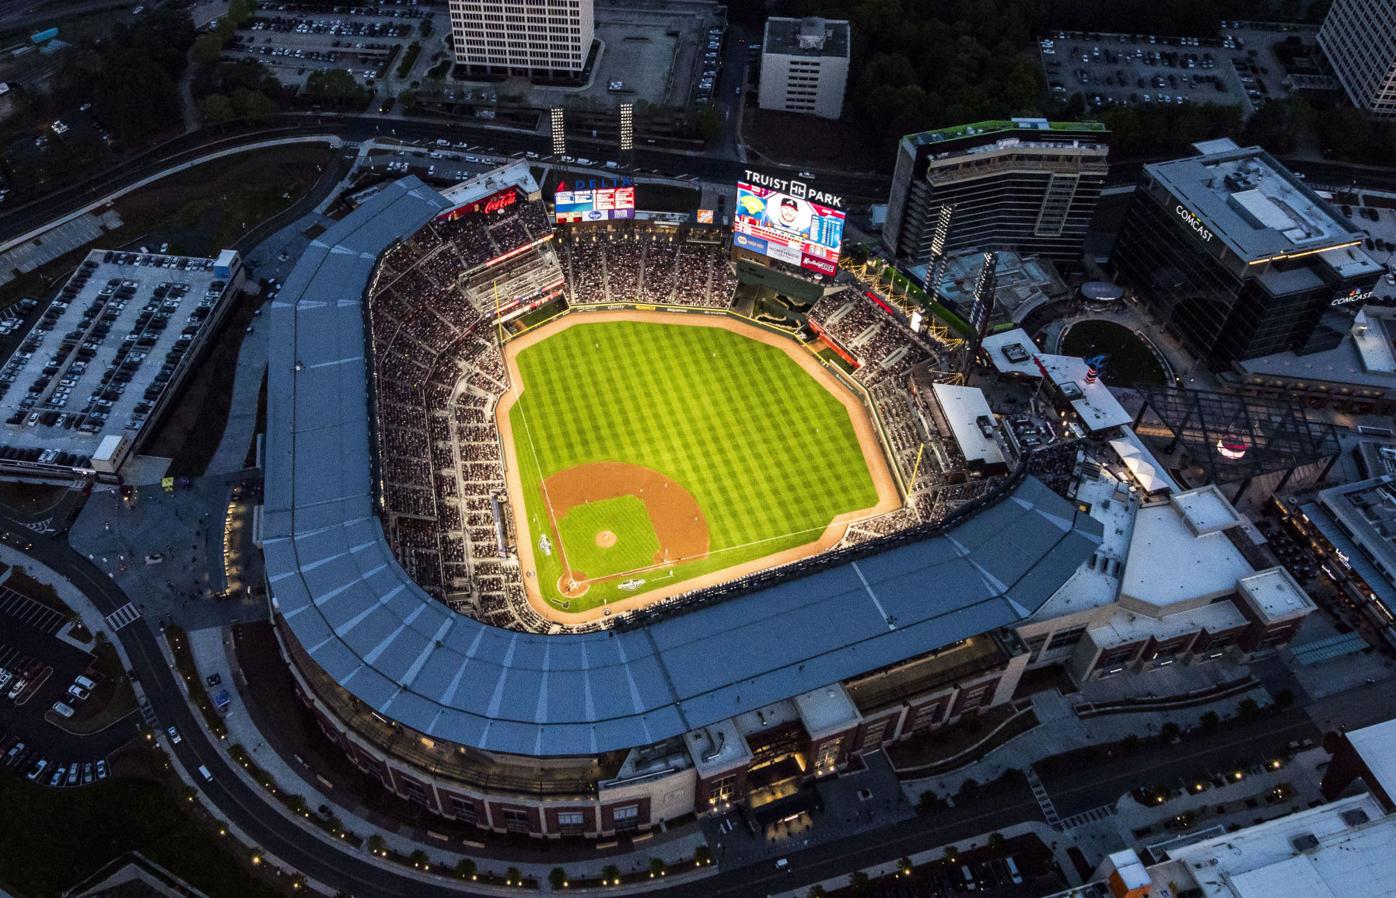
x,y
562,540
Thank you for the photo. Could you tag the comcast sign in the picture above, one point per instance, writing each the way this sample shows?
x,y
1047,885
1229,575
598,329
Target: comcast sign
x,y
1194,222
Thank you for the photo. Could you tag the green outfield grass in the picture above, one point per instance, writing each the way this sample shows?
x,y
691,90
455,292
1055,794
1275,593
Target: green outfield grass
x,y
767,452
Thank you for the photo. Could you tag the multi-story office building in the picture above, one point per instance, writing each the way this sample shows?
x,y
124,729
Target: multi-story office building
x,y
1027,185
537,38
804,66
1359,39
1240,258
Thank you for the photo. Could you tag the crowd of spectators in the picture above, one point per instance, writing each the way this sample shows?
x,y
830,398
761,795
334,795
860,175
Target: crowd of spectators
x,y
660,270
886,348
438,373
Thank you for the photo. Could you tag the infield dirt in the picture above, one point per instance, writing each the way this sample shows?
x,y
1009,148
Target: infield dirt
x,y
888,497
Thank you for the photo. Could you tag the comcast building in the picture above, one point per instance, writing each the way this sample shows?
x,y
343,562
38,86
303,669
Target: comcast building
x,y
1240,258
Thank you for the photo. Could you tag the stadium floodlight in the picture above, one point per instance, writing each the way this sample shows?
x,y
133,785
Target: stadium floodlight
x,y
627,127
559,130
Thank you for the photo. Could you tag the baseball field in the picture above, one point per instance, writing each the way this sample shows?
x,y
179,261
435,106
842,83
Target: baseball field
x,y
652,453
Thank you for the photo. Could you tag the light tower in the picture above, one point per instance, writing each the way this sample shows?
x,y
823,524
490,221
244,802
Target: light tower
x,y
627,130
936,273
982,312
559,129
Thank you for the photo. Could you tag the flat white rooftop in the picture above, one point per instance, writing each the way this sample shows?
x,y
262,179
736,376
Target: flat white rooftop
x,y
1206,510
1013,352
971,420
1097,582
1171,564
1257,207
1346,849
1126,627
513,174
1376,745
1276,595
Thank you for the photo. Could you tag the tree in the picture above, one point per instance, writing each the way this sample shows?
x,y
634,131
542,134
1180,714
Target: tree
x,y
334,87
611,873
1169,731
425,28
1279,124
708,122
207,49
1209,720
905,866
253,105
1344,132
656,866
1247,709
556,877
465,868
513,877
418,858
859,881
376,844
816,891
703,854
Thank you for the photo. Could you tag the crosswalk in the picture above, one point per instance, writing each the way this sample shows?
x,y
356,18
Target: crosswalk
x,y
27,611
1044,801
1104,812
123,616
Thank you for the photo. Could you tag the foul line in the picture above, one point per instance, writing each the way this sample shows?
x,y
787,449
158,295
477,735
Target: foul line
x,y
872,595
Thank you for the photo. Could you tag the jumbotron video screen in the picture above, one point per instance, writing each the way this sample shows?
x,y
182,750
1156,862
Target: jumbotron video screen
x,y
788,220
588,201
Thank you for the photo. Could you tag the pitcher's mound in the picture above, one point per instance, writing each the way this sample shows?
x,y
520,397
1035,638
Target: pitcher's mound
x,y
605,539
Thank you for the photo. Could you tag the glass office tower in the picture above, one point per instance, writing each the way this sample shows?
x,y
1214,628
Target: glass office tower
x,y
1239,258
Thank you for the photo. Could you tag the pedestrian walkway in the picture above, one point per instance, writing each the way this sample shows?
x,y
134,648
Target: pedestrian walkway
x,y
123,616
1044,801
1103,812
1060,730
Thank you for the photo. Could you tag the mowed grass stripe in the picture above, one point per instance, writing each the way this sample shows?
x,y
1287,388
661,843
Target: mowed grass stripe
x,y
768,453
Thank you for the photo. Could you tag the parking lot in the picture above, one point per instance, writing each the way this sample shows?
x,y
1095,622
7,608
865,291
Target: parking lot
x,y
1146,70
104,352
44,680
295,40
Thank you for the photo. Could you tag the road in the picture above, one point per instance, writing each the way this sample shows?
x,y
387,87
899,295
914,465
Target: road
x,y
31,215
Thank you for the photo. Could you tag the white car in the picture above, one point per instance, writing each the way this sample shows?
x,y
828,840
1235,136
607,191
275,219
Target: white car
x,y
174,735
77,692
62,710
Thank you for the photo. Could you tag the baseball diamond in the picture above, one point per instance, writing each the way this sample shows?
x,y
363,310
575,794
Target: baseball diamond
x,y
653,453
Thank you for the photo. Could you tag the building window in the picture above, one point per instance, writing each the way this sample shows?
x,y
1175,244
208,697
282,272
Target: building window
x,y
515,819
463,809
571,821
1063,638
626,817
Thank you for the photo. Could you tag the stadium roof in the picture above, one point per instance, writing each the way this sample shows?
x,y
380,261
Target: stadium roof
x,y
355,611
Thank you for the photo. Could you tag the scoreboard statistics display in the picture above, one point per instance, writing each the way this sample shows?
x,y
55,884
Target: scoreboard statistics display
x,y
790,221
583,201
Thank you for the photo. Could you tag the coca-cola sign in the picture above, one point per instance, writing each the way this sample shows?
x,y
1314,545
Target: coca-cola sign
x,y
493,203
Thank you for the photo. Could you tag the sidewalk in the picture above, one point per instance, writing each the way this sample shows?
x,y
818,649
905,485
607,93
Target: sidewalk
x,y
213,653
1059,730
